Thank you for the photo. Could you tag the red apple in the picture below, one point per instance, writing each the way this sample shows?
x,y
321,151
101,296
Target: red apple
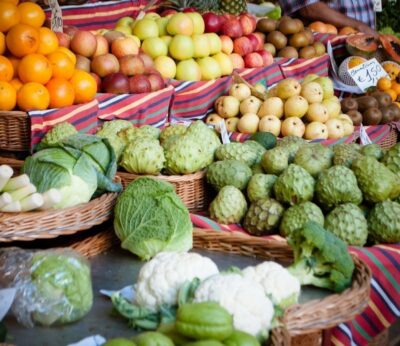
x,y
237,60
102,45
84,43
104,65
63,39
226,44
147,60
228,16
156,81
242,46
212,22
70,30
254,41
232,28
248,23
266,56
253,60
261,36
82,63
124,46
139,84
168,12
189,9
131,65
98,81
116,83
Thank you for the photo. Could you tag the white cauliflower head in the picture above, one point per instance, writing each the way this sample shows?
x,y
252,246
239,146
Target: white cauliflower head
x,y
279,284
161,278
251,309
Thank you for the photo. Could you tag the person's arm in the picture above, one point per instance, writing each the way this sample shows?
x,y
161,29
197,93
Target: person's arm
x,y
321,11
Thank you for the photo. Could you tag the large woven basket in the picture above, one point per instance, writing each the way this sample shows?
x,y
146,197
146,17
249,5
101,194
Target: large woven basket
x,y
15,131
191,188
390,140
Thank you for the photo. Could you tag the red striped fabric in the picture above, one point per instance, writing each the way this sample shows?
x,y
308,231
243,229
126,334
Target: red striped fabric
x,y
379,133
299,68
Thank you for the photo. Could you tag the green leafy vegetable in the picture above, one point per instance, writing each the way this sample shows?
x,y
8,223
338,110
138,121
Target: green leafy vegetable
x,y
56,134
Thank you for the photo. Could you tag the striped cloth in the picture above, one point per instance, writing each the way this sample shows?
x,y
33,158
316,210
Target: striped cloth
x,y
384,306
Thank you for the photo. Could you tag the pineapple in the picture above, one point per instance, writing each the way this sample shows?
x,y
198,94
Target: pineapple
x,y
201,6
233,6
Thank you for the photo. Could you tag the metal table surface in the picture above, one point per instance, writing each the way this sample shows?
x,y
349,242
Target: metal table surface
x,y
113,270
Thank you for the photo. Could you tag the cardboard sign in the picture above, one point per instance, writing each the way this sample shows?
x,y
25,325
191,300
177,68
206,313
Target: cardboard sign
x,y
56,16
377,5
367,74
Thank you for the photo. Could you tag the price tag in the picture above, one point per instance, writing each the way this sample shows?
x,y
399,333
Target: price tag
x,y
56,16
364,138
7,296
224,132
367,74
377,5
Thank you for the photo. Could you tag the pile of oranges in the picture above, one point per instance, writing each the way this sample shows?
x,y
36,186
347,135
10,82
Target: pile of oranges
x,y
35,72
391,87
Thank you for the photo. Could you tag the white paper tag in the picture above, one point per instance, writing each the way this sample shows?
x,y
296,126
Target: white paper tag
x,y
128,292
224,132
180,122
377,5
56,16
94,340
7,296
364,138
367,74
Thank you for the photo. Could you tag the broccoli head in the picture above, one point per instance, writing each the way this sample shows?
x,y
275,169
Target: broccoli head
x,y
320,258
56,134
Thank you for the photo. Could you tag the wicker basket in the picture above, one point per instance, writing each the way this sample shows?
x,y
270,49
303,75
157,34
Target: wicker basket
x,y
390,140
191,188
15,131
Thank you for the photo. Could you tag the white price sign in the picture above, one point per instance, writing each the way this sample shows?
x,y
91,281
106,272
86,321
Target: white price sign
x,y
367,74
377,5
56,16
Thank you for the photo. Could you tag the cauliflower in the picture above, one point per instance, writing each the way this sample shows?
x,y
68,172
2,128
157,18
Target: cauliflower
x,y
245,299
279,284
161,278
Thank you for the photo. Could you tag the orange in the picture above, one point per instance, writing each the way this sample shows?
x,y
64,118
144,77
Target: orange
x,y
16,83
31,14
22,40
9,16
331,29
61,92
34,68
392,94
61,65
48,41
318,27
15,62
69,53
2,43
33,96
347,30
6,69
396,87
8,97
85,86
15,2
384,84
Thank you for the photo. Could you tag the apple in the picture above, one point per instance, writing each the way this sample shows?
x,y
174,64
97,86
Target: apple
x,y
248,123
327,86
145,28
333,106
242,46
131,65
139,84
214,42
166,66
261,37
317,112
267,57
232,28
345,117
312,92
215,120
162,26
116,83
154,46
181,47
231,124
125,21
225,63
70,30
287,88
316,130
84,43
270,123
254,41
237,61
250,105
180,24
228,16
147,60
135,38
227,106
210,68
295,106
292,126
240,91
64,40
309,78
201,46
98,81
152,15
156,81
188,70
112,35
269,47
126,30
348,128
124,46
271,106
212,22
198,22
226,44
105,64
335,128
82,63
167,39
102,45
248,23
168,12
253,60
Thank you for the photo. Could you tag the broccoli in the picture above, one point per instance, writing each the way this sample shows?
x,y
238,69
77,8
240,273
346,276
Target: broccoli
x,y
56,134
320,258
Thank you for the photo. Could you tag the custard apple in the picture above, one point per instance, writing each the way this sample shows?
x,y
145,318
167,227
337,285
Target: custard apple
x,y
298,215
229,206
143,156
170,141
291,144
172,130
373,150
263,217
337,185
391,159
228,172
314,158
237,151
257,147
345,154
295,185
377,182
260,186
384,222
275,161
132,133
347,222
257,168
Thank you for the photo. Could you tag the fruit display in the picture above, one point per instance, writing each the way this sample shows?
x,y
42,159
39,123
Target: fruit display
x,y
36,72
287,38
324,28
344,189
308,109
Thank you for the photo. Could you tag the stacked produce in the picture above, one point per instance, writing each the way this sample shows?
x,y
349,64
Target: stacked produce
x,y
309,109
391,86
325,28
351,190
35,73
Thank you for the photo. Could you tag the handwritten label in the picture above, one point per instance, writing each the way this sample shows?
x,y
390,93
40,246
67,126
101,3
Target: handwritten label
x,y
367,74
56,16
364,138
224,132
377,5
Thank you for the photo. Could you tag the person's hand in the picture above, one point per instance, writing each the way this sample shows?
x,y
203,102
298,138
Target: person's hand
x,y
365,29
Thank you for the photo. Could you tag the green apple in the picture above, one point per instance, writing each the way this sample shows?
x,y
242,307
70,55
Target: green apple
x,y
125,21
181,47
154,46
162,26
145,28
201,46
124,29
327,86
180,24
214,42
138,42
210,68
167,39
188,70
309,78
198,22
225,63
166,66
152,16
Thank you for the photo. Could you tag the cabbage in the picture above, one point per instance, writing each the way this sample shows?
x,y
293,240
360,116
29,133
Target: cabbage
x,y
150,218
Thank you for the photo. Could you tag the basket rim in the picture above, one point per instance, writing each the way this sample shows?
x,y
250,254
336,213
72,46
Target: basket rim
x,y
16,114
171,178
